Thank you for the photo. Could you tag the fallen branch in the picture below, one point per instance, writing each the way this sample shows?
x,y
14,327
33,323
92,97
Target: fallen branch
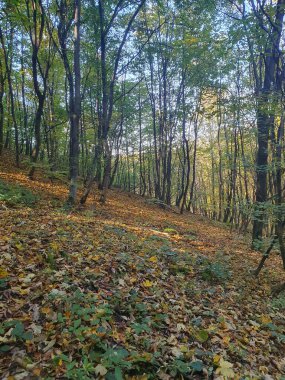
x,y
264,257
160,204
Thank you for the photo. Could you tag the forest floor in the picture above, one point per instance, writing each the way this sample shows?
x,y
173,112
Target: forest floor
x,y
130,291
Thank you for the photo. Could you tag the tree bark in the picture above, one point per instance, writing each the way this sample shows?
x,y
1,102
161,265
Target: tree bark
x,y
75,110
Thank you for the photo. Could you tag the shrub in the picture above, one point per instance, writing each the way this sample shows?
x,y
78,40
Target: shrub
x,y
279,303
14,195
217,271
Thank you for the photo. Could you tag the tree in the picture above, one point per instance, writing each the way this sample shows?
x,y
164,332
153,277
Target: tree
x,y
73,78
36,26
266,91
108,84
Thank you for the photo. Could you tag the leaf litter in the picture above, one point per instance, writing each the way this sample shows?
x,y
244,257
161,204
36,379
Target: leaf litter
x,y
131,292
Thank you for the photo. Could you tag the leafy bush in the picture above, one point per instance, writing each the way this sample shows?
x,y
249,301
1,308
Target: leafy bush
x,y
14,195
18,332
279,303
190,237
217,271
180,367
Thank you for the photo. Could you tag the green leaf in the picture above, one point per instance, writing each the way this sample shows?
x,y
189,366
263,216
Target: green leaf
x,y
5,348
197,365
202,336
64,358
77,323
3,283
27,336
18,330
118,374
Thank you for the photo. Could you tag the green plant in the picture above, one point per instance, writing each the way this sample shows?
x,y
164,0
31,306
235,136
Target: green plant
x,y
18,330
215,272
279,303
14,195
4,283
157,238
191,237
180,367
140,327
276,332
50,259
116,360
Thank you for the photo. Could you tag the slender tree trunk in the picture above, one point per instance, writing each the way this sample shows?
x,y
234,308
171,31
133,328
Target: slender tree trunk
x,y
27,143
1,106
75,112
37,131
194,162
280,226
186,153
272,57
8,67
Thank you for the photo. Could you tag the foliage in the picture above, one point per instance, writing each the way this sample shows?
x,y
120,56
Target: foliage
x,y
215,272
118,297
169,112
279,303
14,195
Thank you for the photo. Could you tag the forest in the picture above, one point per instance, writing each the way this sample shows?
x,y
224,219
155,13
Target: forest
x,y
142,189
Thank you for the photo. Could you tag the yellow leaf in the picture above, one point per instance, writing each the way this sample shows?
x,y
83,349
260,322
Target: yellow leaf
x,y
265,319
3,273
37,371
216,359
96,257
54,246
212,328
147,284
24,291
225,369
46,310
19,246
100,312
183,349
226,340
190,40
153,259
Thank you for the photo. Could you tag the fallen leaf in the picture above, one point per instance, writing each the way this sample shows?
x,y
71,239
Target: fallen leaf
x,y
100,370
147,284
225,369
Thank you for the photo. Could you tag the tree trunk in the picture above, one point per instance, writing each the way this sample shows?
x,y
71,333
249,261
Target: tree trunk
x,y
8,67
272,58
75,111
1,107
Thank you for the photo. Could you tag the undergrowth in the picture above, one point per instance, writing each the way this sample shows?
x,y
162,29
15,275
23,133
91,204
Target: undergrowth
x,y
15,195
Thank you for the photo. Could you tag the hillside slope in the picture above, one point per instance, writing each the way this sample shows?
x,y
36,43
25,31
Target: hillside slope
x,y
129,290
